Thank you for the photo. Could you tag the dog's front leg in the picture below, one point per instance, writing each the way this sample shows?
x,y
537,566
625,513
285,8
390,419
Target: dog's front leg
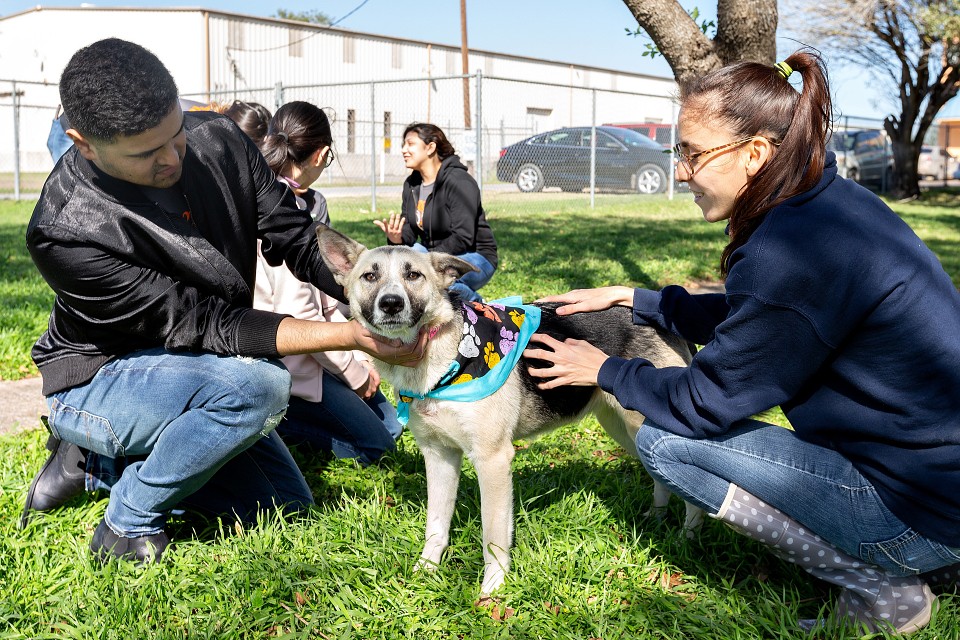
x,y
496,510
443,477
694,515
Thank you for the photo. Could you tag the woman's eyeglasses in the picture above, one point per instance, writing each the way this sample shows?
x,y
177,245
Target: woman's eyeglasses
x,y
687,160
328,159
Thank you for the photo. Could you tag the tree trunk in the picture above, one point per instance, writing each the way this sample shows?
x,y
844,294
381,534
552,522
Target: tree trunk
x,y
746,30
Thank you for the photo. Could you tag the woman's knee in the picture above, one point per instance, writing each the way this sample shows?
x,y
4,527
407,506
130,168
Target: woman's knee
x,y
649,438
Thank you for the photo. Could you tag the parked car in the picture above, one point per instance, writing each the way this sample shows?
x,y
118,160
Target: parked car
x,y
932,163
625,159
660,132
841,143
874,155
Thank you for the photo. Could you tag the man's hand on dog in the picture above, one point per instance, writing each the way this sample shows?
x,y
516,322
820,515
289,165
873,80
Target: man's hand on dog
x,y
307,336
389,351
573,362
580,300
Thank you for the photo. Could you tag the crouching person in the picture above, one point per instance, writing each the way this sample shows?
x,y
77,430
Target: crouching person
x,y
164,385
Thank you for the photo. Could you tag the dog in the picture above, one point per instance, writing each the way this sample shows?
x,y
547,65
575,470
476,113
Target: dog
x,y
395,291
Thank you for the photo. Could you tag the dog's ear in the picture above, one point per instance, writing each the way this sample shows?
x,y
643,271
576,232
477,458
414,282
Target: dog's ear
x,y
450,267
338,251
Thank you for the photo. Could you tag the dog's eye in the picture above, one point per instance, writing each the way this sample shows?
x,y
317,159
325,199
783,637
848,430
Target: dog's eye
x,y
369,276
414,275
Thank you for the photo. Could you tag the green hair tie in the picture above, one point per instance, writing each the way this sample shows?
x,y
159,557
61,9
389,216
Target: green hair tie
x,y
783,69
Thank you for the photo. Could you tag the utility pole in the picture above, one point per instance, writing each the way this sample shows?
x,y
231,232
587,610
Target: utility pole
x,y
466,64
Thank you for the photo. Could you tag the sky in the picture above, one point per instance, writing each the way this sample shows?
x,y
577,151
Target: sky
x,y
572,31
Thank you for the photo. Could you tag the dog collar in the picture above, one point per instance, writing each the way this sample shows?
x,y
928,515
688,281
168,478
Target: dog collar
x,y
494,336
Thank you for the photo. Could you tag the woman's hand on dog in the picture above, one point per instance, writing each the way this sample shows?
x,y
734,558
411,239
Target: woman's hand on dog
x,y
580,300
389,351
393,227
371,385
572,362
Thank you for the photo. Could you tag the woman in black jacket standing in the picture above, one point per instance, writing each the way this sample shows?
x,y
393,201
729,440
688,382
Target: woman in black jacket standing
x,y
441,209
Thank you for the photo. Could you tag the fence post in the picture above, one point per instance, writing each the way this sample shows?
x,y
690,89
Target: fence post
x,y
373,147
593,149
16,141
479,126
277,95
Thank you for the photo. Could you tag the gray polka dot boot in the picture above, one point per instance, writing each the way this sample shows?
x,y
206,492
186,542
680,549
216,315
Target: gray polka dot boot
x,y
943,580
871,599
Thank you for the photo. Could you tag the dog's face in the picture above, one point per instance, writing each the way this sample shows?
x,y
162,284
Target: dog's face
x,y
393,291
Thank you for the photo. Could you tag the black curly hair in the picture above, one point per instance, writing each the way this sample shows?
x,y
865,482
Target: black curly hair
x,y
116,88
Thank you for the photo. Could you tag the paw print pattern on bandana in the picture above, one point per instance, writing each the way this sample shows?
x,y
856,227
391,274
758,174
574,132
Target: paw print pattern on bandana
x,y
508,340
490,355
518,317
470,343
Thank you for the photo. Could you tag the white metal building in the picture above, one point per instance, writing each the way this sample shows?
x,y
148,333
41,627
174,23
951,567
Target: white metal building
x,y
222,56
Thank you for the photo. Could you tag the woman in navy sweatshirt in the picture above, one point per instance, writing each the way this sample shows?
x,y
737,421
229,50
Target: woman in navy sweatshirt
x,y
834,311
441,208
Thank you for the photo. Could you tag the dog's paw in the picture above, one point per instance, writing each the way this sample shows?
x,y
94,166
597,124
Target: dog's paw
x,y
493,578
423,564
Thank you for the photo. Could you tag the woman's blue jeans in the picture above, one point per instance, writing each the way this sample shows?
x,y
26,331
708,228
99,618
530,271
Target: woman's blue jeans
x,y
815,486
342,422
182,430
468,285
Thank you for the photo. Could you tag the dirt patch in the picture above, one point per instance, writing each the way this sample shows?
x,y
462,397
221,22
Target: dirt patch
x,y
22,403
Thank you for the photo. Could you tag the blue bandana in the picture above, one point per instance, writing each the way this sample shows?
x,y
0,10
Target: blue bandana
x,y
494,337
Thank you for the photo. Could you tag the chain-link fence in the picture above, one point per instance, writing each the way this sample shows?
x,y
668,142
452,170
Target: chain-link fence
x,y
495,124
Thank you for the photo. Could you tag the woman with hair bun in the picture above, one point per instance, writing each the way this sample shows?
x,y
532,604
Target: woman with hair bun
x,y
335,402
836,312
252,117
441,208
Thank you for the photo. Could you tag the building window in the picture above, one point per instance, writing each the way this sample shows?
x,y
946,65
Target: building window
x,y
349,50
451,63
387,138
295,43
351,130
396,55
488,66
235,34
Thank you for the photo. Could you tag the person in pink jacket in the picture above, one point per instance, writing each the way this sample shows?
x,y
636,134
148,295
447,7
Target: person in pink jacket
x,y
335,401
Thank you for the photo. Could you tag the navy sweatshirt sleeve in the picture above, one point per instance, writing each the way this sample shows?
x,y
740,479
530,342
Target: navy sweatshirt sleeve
x,y
674,309
753,363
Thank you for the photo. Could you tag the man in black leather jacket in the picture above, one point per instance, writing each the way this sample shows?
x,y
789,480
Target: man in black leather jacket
x,y
163,383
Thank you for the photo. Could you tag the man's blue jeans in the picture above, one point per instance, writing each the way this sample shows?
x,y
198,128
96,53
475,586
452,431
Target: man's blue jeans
x,y
468,285
342,422
198,427
814,485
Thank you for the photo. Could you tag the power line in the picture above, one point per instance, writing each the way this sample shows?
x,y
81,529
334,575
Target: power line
x,y
320,29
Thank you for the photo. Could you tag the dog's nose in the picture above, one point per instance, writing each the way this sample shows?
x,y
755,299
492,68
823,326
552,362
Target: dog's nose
x,y
391,304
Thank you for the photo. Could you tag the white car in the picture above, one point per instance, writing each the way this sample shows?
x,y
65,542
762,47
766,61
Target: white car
x,y
841,143
932,164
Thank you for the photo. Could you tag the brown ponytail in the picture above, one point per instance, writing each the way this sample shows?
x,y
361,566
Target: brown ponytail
x,y
752,99
295,132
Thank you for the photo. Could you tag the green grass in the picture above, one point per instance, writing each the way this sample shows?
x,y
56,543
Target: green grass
x,y
586,562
